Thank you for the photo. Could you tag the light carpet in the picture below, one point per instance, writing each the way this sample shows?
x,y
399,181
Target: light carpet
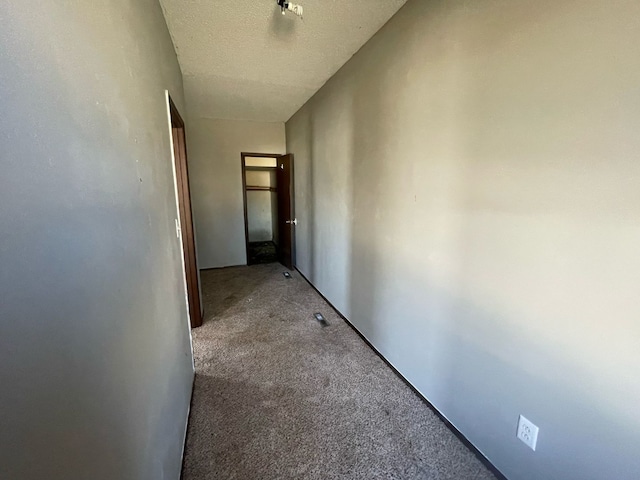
x,y
278,396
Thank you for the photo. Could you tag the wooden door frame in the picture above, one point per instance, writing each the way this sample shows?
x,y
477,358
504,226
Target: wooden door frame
x,y
243,155
192,277
290,261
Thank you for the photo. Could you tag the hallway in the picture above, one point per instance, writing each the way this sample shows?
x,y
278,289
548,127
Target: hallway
x,y
278,396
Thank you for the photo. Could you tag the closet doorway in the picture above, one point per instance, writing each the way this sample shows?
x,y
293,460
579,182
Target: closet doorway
x,y
267,181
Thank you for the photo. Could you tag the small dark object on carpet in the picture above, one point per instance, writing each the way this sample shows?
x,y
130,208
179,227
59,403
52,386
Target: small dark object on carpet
x,y
321,319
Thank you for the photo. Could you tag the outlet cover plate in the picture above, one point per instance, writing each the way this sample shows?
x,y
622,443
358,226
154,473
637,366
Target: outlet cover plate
x,y
527,432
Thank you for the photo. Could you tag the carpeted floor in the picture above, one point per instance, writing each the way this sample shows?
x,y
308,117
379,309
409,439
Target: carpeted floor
x,y
278,396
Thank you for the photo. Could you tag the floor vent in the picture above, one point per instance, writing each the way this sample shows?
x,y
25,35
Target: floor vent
x,y
321,319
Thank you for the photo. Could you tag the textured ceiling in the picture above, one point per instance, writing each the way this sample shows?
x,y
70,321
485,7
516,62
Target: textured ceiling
x,y
242,59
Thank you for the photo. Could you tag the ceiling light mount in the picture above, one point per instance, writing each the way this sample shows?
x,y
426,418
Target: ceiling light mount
x,y
292,7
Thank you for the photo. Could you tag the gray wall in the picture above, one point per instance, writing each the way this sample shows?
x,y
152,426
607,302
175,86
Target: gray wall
x,y
216,183
467,191
95,358
259,218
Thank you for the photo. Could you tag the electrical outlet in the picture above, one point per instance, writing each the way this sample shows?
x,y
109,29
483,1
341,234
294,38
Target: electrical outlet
x,y
527,432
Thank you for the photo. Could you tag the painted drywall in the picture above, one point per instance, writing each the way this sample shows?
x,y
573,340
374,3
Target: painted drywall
x,y
95,357
467,195
259,216
215,176
243,59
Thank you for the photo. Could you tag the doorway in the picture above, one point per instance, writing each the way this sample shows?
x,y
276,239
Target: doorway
x,y
186,218
267,181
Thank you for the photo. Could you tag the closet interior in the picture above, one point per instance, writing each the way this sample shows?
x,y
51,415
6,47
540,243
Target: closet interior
x,y
261,208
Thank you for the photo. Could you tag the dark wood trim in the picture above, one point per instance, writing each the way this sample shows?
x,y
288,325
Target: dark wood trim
x,y
286,210
176,118
186,216
243,155
485,461
244,200
293,210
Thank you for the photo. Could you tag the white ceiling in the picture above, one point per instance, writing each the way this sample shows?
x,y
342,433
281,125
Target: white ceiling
x,y
241,59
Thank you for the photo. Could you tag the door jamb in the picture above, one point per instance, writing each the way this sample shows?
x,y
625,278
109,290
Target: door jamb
x,y
187,232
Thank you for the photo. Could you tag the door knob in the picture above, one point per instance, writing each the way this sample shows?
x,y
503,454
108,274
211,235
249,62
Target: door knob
x,y
292,222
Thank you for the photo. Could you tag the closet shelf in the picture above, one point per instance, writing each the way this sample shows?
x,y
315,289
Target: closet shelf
x,y
261,189
260,169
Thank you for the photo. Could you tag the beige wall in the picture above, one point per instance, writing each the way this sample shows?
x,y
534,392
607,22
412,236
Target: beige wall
x,y
216,183
468,194
95,359
259,216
